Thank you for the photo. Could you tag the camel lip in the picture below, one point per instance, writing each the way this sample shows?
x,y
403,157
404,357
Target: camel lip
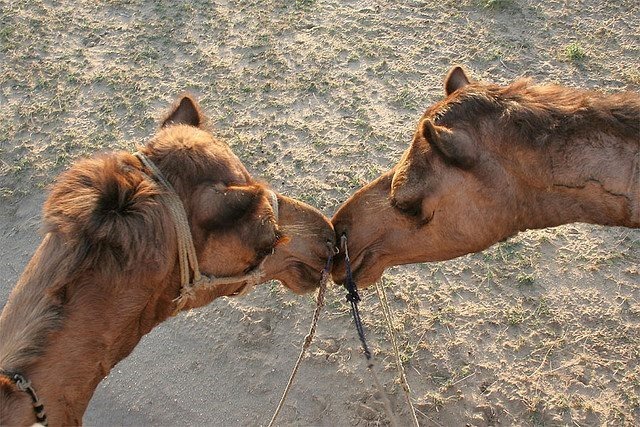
x,y
314,270
302,273
318,262
358,264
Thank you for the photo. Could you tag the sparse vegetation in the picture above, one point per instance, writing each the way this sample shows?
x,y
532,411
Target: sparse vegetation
x,y
318,98
575,52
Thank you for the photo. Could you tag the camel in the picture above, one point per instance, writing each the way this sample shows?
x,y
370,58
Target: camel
x,y
108,269
487,162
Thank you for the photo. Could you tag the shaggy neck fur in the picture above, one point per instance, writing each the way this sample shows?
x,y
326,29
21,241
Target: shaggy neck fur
x,y
65,341
104,275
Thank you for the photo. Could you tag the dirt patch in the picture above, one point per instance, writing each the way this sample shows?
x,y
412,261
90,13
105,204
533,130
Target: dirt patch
x,y
317,98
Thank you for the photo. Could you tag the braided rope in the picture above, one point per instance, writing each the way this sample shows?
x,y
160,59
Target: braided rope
x,y
274,204
186,251
324,278
384,302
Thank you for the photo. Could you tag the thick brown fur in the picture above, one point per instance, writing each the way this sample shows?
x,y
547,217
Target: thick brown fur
x,y
489,161
541,114
110,216
106,271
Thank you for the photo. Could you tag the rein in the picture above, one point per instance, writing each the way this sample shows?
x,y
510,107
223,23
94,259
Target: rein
x,y
25,385
186,250
354,298
324,278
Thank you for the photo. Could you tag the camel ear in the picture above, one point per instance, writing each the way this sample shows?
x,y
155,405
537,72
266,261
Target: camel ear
x,y
457,146
456,79
186,112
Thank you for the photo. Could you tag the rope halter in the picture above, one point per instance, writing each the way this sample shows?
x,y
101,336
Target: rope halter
x,y
186,250
24,385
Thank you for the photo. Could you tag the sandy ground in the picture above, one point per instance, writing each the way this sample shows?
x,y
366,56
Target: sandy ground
x,y
317,98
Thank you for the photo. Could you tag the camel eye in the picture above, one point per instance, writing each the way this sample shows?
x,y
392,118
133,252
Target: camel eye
x,y
270,248
409,209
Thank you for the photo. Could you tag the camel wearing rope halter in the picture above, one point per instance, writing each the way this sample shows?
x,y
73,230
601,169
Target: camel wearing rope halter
x,y
130,240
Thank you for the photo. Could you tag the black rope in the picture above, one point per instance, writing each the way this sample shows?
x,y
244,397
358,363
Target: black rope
x,y
354,298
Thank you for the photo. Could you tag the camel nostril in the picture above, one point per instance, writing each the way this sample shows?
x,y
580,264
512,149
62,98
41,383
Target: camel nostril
x,y
333,249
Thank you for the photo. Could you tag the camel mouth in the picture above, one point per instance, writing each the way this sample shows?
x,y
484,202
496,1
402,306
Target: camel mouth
x,y
362,270
300,269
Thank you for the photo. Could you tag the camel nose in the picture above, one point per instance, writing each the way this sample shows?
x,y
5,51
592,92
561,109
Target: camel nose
x,y
326,246
338,270
329,236
332,247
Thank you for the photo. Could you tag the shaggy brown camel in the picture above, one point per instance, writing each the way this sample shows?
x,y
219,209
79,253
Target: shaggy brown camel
x,y
107,270
487,162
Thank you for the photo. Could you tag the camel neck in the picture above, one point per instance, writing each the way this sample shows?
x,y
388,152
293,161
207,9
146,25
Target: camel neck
x,y
592,181
65,334
64,341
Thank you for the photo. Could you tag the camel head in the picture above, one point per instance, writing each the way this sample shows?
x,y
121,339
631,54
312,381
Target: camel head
x,y
238,224
489,161
107,270
447,196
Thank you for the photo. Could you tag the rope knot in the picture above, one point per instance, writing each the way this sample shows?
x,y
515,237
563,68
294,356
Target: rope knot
x,y
21,382
187,293
353,297
201,281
